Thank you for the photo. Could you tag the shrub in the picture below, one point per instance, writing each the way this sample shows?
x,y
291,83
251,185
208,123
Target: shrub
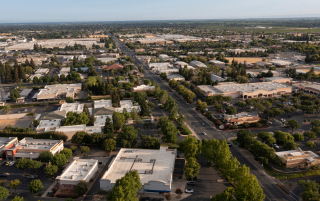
x,y
30,114
233,127
264,122
179,191
310,144
246,125
167,196
298,137
258,125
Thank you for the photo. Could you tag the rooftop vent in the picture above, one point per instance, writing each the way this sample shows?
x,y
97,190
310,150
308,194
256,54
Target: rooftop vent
x,y
122,158
152,160
138,160
149,171
128,151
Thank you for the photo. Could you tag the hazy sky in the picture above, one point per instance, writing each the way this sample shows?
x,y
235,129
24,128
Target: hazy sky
x,y
123,10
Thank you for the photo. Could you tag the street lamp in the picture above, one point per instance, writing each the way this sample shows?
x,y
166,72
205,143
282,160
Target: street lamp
x,y
261,161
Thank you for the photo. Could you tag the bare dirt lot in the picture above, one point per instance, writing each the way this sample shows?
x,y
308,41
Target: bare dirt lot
x,y
307,70
247,59
21,123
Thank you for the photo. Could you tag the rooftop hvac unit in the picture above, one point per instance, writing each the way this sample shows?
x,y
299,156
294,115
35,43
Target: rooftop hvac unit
x,y
152,160
149,171
122,158
138,160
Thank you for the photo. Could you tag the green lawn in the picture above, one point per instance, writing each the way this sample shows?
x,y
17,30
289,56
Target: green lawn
x,y
234,141
279,175
171,146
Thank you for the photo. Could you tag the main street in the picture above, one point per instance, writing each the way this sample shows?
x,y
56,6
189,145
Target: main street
x,y
195,119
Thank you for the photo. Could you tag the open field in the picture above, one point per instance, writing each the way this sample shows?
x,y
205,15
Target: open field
x,y
247,59
7,122
21,123
307,70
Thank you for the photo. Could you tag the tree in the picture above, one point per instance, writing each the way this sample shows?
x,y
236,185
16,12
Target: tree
x,y
79,137
7,108
294,124
118,120
310,134
85,149
169,132
231,110
115,98
126,188
50,170
22,164
226,195
32,64
35,186
14,94
201,105
109,145
218,107
127,137
18,198
162,121
144,109
289,145
248,188
3,182
241,104
67,152
34,165
310,144
311,190
149,142
4,193
273,112
73,118
81,188
298,137
45,157
13,184
192,168
59,160
69,100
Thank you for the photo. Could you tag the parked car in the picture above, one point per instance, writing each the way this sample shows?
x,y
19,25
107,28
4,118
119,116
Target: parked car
x,y
4,174
194,179
229,144
204,133
8,163
202,124
30,177
192,183
11,163
275,146
170,90
189,190
270,123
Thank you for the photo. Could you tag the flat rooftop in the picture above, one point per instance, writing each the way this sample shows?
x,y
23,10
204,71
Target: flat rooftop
x,y
78,170
172,76
241,114
102,103
251,87
25,92
42,71
100,120
53,123
4,141
72,107
152,165
296,153
28,144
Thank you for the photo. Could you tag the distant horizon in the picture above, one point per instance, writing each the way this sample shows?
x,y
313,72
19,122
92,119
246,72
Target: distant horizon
x,y
67,11
213,19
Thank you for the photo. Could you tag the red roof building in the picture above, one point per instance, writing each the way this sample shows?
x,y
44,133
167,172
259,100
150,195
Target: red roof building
x,y
113,66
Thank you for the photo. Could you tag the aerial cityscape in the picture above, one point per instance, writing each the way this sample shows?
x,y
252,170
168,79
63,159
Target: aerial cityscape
x,y
155,101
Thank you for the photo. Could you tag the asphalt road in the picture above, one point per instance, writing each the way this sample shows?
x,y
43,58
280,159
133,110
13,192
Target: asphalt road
x,y
194,119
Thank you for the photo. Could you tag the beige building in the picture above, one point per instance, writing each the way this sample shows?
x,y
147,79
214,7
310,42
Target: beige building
x,y
250,90
277,79
58,91
98,36
242,117
298,158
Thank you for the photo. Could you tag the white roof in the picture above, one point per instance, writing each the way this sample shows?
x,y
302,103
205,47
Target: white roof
x,y
100,120
29,144
102,103
152,165
216,77
42,71
73,128
173,76
241,114
49,125
94,129
143,87
5,141
72,107
78,170
216,61
197,63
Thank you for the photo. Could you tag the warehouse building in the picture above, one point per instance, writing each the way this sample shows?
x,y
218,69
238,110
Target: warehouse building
x,y
250,90
277,79
176,77
32,148
197,64
58,91
155,168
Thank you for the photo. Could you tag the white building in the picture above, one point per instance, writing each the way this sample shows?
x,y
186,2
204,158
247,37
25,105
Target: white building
x,y
168,71
58,91
78,170
32,148
159,66
176,77
128,105
100,120
155,168
24,93
72,107
143,87
6,142
216,62
102,103
64,71
48,125
197,64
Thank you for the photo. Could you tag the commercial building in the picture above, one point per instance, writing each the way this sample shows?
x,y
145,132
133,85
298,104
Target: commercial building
x,y
168,71
242,117
250,90
176,77
32,148
113,67
159,66
58,91
64,71
78,170
102,103
128,105
48,125
298,158
263,63
277,79
72,107
25,93
280,63
180,64
100,120
155,168
217,78
197,64
6,142
216,62
143,88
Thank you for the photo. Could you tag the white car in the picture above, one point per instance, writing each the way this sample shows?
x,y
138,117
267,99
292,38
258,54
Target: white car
x,y
275,146
11,164
204,133
189,190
